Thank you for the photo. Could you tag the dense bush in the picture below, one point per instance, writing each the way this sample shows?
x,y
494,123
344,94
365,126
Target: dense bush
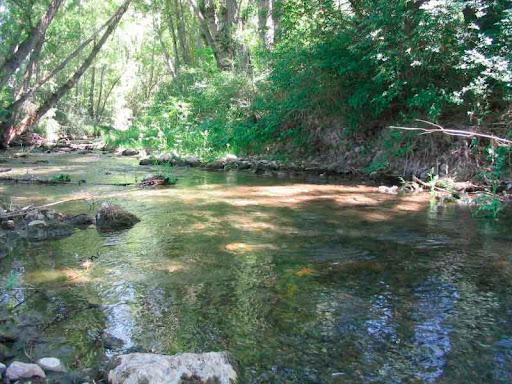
x,y
195,113
358,68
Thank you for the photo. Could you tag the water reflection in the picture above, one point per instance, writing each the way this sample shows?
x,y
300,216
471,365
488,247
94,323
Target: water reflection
x,y
301,283
435,302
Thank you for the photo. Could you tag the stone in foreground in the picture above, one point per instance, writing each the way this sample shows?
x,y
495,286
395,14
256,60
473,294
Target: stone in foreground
x,y
19,371
112,217
51,364
148,368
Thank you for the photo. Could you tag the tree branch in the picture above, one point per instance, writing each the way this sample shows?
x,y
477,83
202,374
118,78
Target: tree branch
x,y
454,132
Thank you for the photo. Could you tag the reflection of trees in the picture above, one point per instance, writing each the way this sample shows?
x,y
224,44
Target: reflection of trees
x,y
313,291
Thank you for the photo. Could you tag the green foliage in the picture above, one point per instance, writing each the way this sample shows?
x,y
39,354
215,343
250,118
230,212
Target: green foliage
x,y
379,163
11,281
196,113
488,205
166,170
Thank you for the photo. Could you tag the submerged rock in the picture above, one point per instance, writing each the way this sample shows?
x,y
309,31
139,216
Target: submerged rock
x,y
111,217
81,220
41,230
148,368
18,371
51,364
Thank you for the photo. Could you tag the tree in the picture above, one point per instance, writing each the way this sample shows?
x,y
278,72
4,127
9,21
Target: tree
x,y
13,129
35,36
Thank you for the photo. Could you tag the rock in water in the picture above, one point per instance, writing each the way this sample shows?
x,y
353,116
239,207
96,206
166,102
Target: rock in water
x,y
37,230
148,368
19,371
81,220
130,152
51,364
40,230
111,217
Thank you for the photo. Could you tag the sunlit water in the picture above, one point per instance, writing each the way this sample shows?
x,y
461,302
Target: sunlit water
x,y
300,282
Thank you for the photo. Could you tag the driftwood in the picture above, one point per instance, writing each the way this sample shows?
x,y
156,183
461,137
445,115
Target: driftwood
x,y
36,180
454,132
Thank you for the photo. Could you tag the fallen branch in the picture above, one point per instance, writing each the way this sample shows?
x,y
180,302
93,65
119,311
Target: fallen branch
x,y
35,180
430,186
454,132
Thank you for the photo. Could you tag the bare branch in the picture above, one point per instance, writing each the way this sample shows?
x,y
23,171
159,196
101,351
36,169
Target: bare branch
x,y
454,132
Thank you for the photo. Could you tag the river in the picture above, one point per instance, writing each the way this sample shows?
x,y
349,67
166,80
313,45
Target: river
x,y
301,281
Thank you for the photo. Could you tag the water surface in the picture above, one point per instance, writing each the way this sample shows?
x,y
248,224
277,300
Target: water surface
x,y
302,282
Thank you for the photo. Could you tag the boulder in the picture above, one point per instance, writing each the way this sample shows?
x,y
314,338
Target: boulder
x,y
9,225
192,161
111,217
130,152
2,369
149,161
389,190
20,371
37,230
212,367
229,158
51,364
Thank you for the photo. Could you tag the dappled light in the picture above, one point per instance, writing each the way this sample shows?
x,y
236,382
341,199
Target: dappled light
x,y
256,192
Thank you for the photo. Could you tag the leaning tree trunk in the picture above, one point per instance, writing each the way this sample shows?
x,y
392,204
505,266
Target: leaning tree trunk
x,y
30,92
15,130
14,61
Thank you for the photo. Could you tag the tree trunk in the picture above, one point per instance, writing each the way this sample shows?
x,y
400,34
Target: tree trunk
x,y
37,34
172,30
91,92
182,33
15,130
107,95
100,92
266,22
208,36
28,93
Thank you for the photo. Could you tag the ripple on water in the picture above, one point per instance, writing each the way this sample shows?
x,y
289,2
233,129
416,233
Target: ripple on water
x,y
297,281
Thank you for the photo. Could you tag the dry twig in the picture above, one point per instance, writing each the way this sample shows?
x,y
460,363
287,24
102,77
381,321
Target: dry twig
x,y
454,132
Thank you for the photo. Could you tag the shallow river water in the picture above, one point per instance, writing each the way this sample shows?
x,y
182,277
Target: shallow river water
x,y
301,282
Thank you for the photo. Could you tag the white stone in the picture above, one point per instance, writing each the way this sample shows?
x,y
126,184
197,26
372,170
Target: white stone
x,y
18,371
51,364
148,368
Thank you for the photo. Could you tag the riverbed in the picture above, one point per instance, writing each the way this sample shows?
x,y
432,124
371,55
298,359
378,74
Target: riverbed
x,y
301,281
